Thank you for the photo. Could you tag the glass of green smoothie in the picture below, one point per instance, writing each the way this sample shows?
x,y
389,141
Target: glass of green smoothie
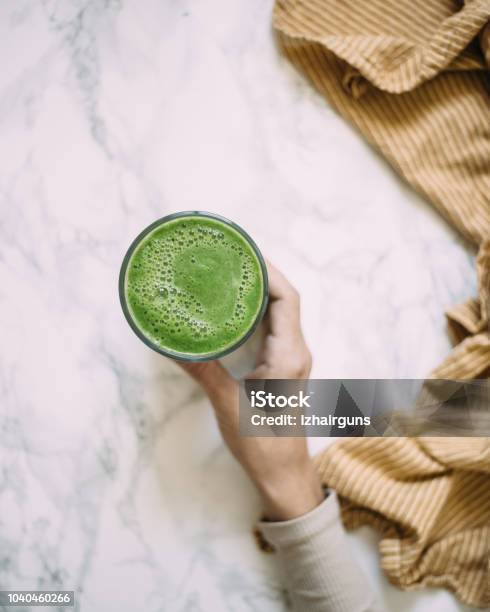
x,y
193,286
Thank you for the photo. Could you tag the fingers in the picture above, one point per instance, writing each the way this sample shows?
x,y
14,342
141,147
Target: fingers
x,y
260,372
279,286
284,314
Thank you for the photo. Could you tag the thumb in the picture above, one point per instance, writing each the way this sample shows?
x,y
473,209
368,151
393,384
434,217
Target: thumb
x,y
211,375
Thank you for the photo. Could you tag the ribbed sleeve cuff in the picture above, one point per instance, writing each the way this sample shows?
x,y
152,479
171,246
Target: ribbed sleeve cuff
x,y
323,518
316,562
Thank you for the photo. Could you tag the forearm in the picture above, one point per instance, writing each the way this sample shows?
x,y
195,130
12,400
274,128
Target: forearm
x,y
315,560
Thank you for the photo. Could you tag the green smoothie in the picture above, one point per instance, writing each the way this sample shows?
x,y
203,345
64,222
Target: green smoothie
x,y
194,286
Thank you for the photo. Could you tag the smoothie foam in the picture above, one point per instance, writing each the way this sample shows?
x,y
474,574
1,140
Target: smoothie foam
x,y
194,285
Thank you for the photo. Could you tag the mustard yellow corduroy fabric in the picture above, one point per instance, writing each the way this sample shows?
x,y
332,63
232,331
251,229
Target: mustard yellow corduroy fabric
x,y
410,76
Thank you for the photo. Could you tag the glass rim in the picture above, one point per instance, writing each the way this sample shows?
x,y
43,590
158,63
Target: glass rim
x,y
186,357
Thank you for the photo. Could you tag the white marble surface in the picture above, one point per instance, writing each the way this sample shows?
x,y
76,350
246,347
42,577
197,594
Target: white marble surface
x,y
113,478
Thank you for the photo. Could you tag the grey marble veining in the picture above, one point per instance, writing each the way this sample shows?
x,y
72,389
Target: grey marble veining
x,y
113,479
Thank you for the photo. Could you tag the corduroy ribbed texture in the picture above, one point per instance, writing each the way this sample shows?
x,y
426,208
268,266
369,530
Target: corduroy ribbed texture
x,y
409,75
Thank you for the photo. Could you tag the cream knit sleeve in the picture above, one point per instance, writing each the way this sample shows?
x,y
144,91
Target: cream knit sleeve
x,y
317,566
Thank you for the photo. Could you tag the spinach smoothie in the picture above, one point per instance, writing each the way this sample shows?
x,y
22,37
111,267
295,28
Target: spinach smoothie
x,y
193,286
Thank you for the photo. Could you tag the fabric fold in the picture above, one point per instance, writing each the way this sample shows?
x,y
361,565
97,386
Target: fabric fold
x,y
429,499
411,77
390,61
435,131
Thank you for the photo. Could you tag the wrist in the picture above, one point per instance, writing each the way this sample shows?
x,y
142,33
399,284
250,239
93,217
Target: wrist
x,y
292,497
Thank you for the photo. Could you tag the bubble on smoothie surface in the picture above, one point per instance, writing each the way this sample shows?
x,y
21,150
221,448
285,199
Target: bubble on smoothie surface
x,y
194,285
